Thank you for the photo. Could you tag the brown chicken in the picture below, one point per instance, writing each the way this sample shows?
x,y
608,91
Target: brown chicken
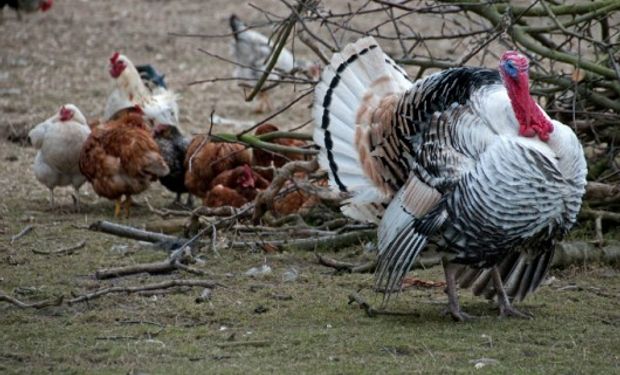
x,y
264,158
120,158
295,201
235,187
205,160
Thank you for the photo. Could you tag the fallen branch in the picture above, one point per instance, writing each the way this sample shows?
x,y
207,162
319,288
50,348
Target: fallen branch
x,y
580,252
333,241
587,213
133,233
134,289
341,266
22,233
36,305
63,251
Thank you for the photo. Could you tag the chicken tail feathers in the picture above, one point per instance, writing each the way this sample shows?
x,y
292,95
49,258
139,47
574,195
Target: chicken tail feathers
x,y
236,25
351,87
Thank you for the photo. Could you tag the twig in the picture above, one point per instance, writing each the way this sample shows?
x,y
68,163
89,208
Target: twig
x,y
281,39
346,266
134,289
22,233
36,305
131,232
63,251
372,312
165,212
264,200
333,241
255,343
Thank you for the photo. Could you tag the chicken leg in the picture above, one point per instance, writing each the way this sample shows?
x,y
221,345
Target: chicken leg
x,y
117,208
505,307
128,203
76,197
52,205
453,298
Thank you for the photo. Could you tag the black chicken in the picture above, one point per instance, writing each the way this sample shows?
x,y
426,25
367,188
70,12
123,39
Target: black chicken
x,y
173,146
27,6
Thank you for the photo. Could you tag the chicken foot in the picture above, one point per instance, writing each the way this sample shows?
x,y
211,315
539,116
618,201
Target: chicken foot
x,y
453,298
505,307
123,204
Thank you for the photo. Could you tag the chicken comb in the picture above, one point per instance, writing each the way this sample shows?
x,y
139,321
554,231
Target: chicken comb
x,y
65,114
137,109
114,57
46,5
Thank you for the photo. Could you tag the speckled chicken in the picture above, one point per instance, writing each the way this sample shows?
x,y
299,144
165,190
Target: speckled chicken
x,y
173,146
59,141
121,158
206,159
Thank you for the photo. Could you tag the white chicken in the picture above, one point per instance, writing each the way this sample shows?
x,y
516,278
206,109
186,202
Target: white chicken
x,y
158,105
59,140
251,51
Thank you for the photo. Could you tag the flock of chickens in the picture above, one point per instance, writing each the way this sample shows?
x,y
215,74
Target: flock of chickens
x,y
138,141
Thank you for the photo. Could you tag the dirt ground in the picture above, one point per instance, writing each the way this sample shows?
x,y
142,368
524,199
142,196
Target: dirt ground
x,y
254,324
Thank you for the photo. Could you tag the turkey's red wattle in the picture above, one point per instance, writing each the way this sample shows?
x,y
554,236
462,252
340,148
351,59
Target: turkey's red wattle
x,y
532,120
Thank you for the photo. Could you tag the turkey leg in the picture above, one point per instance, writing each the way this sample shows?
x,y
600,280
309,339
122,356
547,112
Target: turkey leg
x,y
453,298
505,307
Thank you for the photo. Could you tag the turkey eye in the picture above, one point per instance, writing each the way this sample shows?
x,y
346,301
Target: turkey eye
x,y
510,68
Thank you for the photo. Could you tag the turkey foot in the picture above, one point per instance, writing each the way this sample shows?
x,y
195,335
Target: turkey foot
x,y
453,298
506,310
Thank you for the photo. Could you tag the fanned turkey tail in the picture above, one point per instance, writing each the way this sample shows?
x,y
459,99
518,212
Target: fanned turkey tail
x,y
521,273
350,90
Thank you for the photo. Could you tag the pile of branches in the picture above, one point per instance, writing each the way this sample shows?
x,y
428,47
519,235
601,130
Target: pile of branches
x,y
574,51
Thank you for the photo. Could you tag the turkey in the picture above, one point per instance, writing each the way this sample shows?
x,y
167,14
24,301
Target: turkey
x,y
251,51
463,162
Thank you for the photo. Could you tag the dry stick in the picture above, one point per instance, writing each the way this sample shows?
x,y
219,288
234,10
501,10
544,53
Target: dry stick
x,y
165,212
334,241
255,343
130,232
346,266
22,233
63,251
36,305
281,39
283,109
587,213
371,311
176,260
134,289
601,191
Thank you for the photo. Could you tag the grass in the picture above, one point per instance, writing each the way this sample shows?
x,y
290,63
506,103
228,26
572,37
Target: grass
x,y
315,331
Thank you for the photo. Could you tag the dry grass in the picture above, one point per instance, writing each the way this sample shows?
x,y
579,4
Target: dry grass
x,y
60,57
